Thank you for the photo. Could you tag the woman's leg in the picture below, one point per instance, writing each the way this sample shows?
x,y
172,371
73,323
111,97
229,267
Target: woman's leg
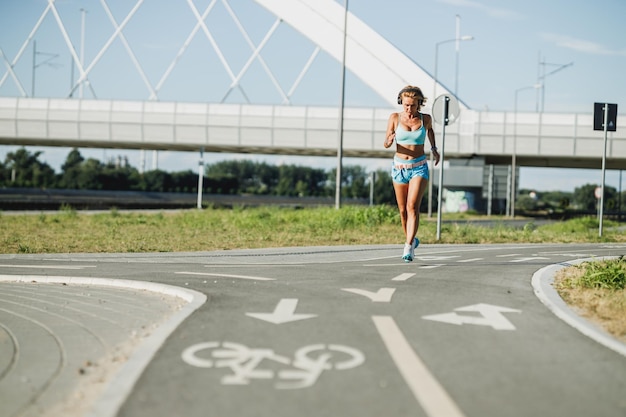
x,y
415,192
401,191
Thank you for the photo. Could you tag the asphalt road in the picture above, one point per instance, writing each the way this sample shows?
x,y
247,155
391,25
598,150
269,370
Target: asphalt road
x,y
355,331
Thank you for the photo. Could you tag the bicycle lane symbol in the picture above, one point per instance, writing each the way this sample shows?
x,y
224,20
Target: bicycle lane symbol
x,y
246,364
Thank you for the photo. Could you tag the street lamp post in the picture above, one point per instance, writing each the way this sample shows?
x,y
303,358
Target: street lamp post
x,y
514,152
457,39
341,116
47,61
462,38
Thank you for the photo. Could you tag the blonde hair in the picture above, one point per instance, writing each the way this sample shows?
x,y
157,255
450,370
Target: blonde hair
x,y
411,91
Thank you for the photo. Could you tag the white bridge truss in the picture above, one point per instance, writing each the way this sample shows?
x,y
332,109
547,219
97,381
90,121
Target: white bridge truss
x,y
537,139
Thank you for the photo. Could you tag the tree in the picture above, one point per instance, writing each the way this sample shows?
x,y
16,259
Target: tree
x,y
585,199
29,171
254,178
383,189
300,181
71,170
89,177
185,181
356,181
73,160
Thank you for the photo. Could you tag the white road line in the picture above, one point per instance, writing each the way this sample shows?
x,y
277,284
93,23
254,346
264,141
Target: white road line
x,y
269,264
508,255
427,390
227,276
430,266
49,266
470,260
402,277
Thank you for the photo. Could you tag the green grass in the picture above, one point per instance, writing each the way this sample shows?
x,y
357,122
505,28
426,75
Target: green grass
x,y
607,275
69,231
598,290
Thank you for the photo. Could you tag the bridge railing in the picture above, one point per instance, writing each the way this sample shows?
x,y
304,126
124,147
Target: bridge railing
x,y
563,135
304,130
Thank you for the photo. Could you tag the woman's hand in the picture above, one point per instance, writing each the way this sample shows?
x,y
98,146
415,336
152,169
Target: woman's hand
x,y
436,156
389,140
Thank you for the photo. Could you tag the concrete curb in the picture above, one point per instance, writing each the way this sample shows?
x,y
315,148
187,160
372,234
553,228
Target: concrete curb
x,y
542,281
123,381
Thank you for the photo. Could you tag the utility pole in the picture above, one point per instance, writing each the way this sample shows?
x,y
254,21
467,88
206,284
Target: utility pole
x,y
541,79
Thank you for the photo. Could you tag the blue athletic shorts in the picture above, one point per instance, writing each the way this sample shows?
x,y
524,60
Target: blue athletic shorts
x,y
402,171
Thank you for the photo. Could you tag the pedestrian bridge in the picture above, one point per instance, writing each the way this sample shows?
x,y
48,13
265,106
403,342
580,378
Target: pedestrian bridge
x,y
537,139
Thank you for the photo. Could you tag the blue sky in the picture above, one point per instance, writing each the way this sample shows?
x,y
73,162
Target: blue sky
x,y
511,38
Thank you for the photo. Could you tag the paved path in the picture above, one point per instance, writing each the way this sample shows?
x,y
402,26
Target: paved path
x,y
464,330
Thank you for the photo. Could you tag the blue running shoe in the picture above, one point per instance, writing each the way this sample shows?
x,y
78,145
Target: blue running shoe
x,y
408,253
416,243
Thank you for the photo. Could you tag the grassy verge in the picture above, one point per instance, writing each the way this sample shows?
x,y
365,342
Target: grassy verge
x,y
222,229
598,291
69,231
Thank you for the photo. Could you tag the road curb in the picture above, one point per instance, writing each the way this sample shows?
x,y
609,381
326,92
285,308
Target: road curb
x,y
123,381
542,282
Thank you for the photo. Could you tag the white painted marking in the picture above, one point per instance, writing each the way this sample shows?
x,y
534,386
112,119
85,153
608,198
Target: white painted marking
x,y
430,266
257,265
402,277
530,258
490,316
227,276
470,260
427,390
435,258
49,266
283,313
249,364
508,255
383,295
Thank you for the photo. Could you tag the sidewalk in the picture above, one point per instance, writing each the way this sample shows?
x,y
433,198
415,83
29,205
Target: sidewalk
x,y
63,341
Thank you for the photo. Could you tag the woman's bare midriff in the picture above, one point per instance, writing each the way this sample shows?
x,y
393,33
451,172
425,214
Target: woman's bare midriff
x,y
409,151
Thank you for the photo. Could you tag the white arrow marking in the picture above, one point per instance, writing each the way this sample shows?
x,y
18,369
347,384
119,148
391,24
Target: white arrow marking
x,y
283,313
528,259
402,277
491,316
383,295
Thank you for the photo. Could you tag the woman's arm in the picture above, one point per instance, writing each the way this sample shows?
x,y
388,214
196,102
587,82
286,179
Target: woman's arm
x,y
391,130
428,121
